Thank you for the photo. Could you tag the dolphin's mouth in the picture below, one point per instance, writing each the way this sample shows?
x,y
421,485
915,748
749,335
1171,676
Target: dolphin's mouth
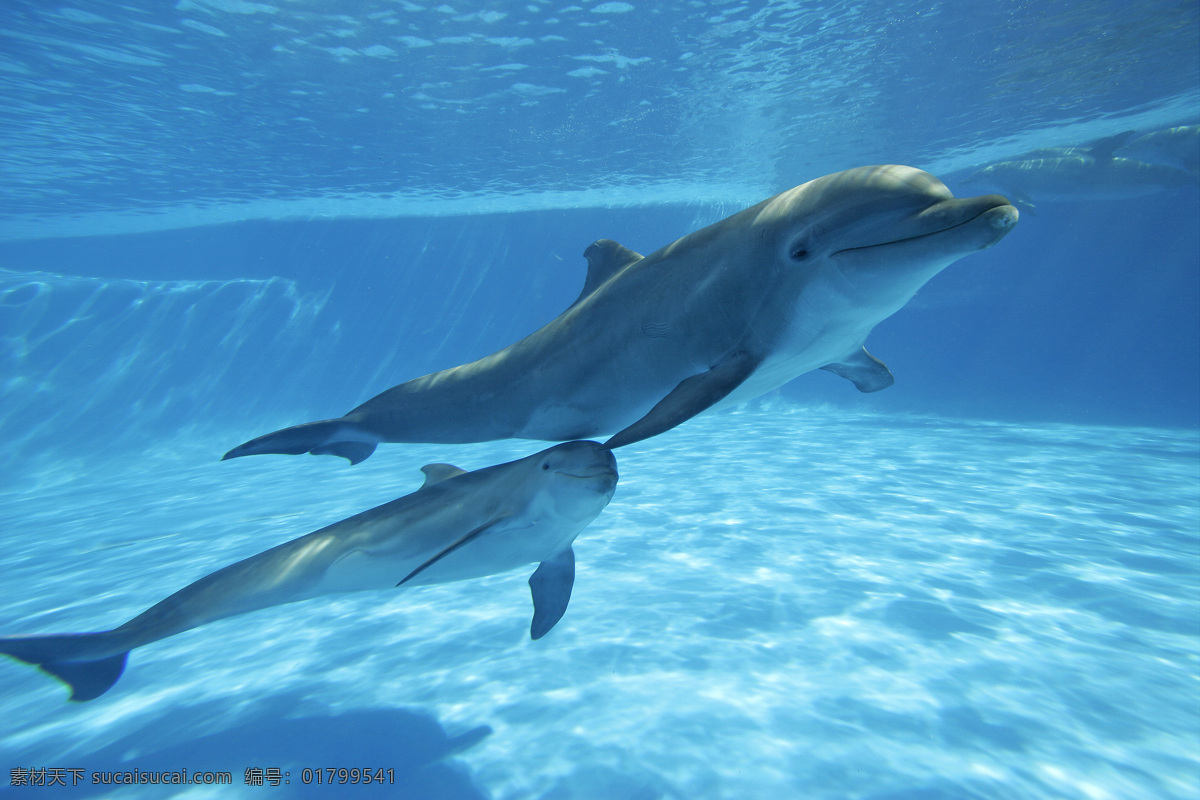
x,y
588,476
1001,214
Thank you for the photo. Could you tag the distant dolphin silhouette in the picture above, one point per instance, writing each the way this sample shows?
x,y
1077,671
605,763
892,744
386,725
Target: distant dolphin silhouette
x,y
1091,172
458,525
724,314
1176,147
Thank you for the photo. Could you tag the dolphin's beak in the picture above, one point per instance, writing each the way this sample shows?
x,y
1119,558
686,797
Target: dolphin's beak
x,y
992,211
989,216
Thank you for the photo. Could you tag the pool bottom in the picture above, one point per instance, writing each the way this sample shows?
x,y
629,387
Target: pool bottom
x,y
779,602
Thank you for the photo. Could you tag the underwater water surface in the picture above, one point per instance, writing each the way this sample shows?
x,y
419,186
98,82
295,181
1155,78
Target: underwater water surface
x,y
779,602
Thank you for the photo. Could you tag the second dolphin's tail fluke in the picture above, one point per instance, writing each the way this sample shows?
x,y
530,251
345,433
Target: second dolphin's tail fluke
x,y
80,660
334,437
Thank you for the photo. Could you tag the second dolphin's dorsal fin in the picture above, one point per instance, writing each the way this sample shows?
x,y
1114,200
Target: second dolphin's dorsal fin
x,y
605,258
1103,149
436,473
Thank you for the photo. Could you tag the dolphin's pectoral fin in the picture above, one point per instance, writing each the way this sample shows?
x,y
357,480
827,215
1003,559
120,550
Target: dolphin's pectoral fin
x,y
605,258
864,370
64,656
475,534
689,398
550,584
336,437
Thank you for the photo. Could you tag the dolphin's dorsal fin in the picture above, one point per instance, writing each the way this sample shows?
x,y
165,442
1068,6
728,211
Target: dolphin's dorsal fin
x,y
1103,149
864,370
436,473
605,258
550,584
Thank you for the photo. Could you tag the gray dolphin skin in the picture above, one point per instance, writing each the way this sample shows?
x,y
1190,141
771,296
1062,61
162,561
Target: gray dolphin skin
x,y
722,315
458,525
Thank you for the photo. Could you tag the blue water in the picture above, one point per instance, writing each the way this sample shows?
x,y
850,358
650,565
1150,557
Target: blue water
x,y
221,217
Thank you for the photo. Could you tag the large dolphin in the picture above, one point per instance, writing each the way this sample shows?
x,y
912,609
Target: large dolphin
x,y
458,525
726,313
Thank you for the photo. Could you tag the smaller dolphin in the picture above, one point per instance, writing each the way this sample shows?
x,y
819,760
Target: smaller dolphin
x,y
458,525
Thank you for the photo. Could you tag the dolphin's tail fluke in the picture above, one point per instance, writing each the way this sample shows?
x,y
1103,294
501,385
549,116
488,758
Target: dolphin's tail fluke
x,y
334,437
80,660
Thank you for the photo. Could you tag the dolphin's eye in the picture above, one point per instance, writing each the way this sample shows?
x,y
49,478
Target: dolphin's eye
x,y
545,465
799,252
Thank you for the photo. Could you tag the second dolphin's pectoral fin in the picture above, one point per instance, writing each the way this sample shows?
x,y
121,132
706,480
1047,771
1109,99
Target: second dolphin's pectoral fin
x,y
458,545
605,258
550,584
864,370
689,398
